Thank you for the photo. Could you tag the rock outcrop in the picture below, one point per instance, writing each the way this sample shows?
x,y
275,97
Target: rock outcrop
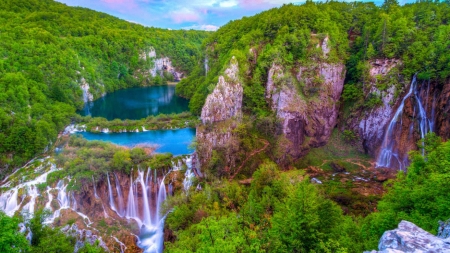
x,y
443,114
220,115
160,65
83,236
409,238
87,95
308,113
225,101
372,124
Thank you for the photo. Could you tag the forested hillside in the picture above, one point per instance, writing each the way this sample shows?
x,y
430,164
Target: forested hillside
x,y
47,50
418,34
288,56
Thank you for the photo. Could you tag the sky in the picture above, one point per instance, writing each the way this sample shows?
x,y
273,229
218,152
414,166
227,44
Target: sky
x,y
180,14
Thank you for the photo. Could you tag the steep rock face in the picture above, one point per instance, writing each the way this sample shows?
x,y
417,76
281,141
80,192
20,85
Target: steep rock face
x,y
308,116
161,65
87,95
225,101
410,238
220,114
370,125
443,114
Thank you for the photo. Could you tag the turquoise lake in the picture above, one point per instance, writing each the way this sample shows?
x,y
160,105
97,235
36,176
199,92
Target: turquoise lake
x,y
137,103
167,141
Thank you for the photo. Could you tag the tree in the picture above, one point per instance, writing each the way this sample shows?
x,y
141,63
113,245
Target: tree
x,y
11,239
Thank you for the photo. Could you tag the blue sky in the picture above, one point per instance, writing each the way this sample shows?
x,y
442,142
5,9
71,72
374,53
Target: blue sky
x,y
180,14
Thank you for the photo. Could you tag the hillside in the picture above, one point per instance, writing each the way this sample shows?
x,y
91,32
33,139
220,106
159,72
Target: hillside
x,y
53,58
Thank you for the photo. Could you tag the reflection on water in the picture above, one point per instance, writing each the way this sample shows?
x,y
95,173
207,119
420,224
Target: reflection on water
x,y
136,103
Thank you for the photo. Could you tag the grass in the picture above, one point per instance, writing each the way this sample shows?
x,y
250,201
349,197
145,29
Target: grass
x,y
336,150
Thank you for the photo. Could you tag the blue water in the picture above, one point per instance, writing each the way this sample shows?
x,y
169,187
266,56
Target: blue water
x,y
167,141
137,103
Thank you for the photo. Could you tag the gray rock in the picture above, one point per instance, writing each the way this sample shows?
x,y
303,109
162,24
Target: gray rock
x,y
225,101
444,229
409,238
83,236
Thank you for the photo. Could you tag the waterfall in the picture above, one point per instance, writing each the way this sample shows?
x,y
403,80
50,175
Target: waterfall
x,y
147,217
95,188
8,202
132,207
28,209
161,197
188,176
50,199
119,196
389,156
111,198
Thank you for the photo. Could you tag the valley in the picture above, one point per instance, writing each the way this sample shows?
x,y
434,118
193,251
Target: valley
x,y
313,127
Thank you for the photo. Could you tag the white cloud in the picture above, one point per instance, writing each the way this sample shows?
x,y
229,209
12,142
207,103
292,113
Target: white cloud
x,y
229,3
202,27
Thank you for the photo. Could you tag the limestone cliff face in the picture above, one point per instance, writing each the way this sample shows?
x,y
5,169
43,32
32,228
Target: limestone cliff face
x,y
225,101
220,115
409,238
87,95
160,65
443,114
309,113
371,125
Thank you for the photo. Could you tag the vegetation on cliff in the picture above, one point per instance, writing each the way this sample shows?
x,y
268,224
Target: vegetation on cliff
x,y
47,50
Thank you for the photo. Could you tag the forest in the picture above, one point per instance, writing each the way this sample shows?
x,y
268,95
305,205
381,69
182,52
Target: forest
x,y
47,50
268,204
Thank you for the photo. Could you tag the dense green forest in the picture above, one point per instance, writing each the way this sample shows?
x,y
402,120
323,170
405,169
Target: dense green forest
x,y
281,211
48,49
418,34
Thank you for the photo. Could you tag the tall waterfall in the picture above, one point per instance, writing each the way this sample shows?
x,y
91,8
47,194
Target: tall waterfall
x,y
111,198
389,155
120,197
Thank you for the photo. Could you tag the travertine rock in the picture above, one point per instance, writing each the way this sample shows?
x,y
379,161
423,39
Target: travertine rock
x,y
225,101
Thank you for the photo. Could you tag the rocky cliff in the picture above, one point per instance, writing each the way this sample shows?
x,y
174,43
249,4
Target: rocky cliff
x,y
307,103
220,115
370,125
160,65
409,238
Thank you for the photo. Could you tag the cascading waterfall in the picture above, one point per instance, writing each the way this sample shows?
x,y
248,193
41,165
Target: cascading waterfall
x,y
188,176
144,207
120,197
95,188
131,212
389,156
111,198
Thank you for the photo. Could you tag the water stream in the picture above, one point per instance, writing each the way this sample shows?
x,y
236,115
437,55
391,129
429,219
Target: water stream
x,y
389,155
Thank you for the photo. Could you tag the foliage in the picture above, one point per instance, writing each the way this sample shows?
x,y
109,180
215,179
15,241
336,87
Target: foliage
x,y
47,50
83,160
277,213
161,121
416,196
11,240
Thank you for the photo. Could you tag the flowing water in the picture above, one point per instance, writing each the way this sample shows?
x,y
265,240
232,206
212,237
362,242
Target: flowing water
x,y
389,155
136,103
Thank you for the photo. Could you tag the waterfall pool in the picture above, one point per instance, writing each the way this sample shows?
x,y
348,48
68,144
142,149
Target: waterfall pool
x,y
175,141
136,103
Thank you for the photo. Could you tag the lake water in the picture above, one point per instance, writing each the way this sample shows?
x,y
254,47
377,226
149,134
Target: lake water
x,y
137,103
167,141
